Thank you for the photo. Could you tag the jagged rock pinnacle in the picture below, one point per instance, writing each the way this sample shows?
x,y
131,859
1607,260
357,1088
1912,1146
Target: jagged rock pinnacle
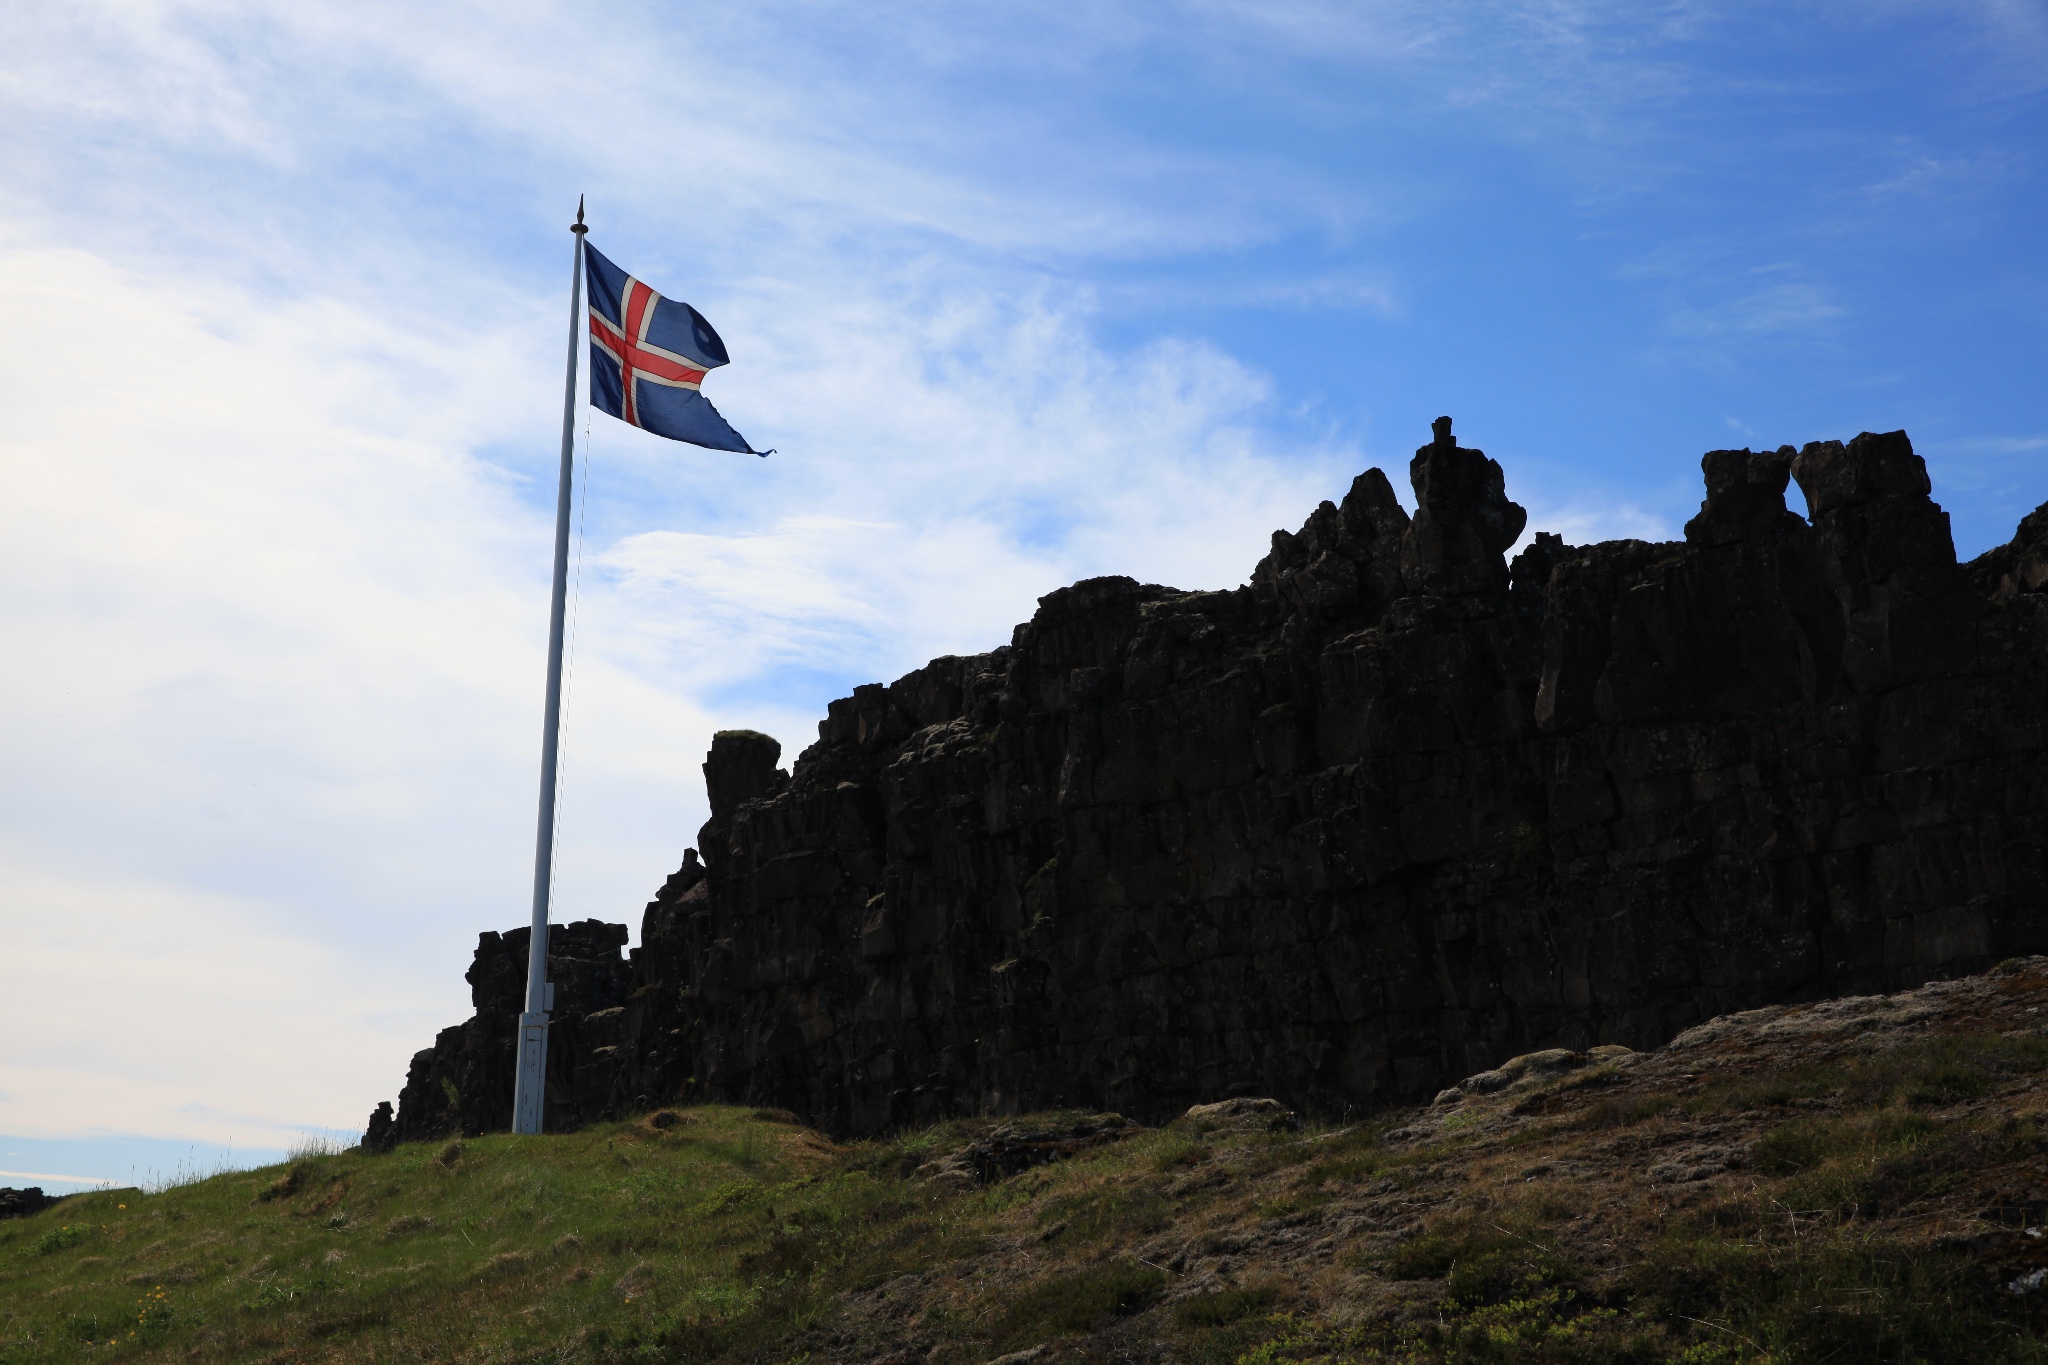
x,y
1387,815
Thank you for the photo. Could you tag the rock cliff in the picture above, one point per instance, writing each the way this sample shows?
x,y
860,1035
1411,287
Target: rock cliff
x,y
1393,812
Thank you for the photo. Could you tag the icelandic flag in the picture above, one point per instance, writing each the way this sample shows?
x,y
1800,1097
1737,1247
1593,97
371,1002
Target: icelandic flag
x,y
648,355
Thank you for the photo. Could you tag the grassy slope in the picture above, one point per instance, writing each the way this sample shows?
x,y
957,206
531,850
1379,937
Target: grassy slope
x,y
1852,1193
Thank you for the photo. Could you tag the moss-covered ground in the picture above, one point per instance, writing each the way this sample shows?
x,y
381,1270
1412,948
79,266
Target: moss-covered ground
x,y
1863,1194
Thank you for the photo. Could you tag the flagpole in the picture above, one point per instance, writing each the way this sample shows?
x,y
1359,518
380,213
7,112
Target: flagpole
x,y
529,1090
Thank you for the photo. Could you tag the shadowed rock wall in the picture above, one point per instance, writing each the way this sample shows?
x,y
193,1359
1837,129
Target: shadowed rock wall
x,y
1391,813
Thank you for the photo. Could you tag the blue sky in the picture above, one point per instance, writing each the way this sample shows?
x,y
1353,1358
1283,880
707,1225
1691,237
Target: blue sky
x,y
1021,294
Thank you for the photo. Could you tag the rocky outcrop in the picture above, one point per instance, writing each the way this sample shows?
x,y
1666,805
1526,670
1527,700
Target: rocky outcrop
x,y
24,1203
1389,814
1014,1148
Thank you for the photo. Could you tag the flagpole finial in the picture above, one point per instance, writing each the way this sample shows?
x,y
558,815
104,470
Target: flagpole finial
x,y
577,227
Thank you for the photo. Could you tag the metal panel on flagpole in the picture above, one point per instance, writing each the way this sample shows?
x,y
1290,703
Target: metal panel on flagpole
x,y
529,1090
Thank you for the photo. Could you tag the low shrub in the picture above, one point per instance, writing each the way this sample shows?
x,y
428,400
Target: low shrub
x,y
1927,1072
1621,1111
1870,1163
1108,1214
1552,1327
63,1238
1944,1069
1840,1297
1179,1153
1480,1261
1082,1301
1224,1306
288,1184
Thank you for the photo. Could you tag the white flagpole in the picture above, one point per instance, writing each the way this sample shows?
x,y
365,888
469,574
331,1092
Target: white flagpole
x,y
529,1091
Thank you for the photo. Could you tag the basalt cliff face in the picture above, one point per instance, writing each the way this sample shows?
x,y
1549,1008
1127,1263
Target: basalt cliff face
x,y
1392,812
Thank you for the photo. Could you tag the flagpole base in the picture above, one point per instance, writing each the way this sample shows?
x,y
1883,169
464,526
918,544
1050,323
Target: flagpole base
x,y
529,1091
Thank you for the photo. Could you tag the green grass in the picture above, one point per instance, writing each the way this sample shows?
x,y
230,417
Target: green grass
x,y
1839,1298
1482,1259
1079,1301
1801,1266
1736,1283
614,1239
732,1235
1222,1307
737,1236
1550,1327
64,1238
1180,1153
1925,1073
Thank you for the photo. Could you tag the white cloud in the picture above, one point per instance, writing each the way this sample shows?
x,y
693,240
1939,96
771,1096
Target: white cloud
x,y
281,289
1590,518
1776,309
1993,446
138,1006
275,744
969,456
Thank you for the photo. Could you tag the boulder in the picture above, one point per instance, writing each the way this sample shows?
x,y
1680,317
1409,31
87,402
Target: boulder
x,y
1244,1112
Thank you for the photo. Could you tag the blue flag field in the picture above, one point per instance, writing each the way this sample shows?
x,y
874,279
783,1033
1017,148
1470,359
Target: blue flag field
x,y
648,359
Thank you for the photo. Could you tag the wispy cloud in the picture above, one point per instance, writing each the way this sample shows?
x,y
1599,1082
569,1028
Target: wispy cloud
x,y
283,289
1994,445
1780,308
288,620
